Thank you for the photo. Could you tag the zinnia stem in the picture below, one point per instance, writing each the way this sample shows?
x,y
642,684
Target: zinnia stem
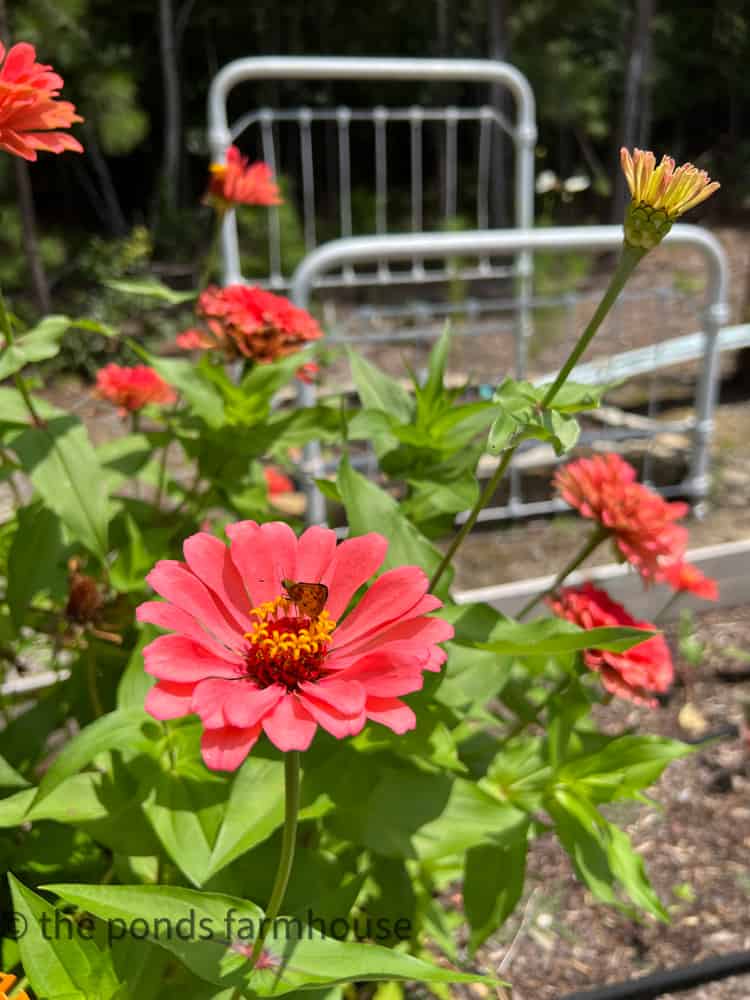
x,y
523,724
289,837
96,704
210,262
627,263
597,536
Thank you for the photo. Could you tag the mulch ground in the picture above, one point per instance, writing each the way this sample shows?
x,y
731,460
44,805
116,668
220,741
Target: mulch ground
x,y
694,839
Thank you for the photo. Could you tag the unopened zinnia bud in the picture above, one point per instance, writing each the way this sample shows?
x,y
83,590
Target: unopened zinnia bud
x,y
660,195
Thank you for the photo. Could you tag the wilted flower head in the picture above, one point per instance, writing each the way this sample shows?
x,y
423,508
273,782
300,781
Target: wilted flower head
x,y
639,672
6,985
237,183
130,389
250,322
640,521
251,652
660,195
29,109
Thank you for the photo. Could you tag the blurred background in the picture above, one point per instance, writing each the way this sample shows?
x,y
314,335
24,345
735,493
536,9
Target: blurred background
x,y
654,73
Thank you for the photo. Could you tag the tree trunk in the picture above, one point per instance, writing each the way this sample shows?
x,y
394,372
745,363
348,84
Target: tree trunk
x,y
635,112
172,107
26,208
497,17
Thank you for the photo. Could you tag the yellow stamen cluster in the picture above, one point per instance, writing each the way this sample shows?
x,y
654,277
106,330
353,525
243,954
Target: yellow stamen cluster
x,y
661,194
310,639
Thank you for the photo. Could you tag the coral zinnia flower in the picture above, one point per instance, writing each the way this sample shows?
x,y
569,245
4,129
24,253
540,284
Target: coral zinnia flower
x,y
28,106
251,323
685,576
635,674
236,183
276,481
660,195
6,984
130,389
641,522
247,659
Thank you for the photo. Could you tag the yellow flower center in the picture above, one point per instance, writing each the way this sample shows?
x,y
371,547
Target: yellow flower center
x,y
285,648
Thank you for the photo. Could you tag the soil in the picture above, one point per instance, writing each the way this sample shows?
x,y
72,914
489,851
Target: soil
x,y
694,839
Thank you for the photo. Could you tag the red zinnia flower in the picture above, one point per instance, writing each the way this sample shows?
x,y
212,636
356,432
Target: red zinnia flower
x,y
685,576
250,322
28,106
276,481
308,372
131,389
236,183
247,659
641,522
635,674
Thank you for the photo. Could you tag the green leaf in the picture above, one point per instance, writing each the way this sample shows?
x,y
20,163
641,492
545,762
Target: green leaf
x,y
260,782
493,882
367,506
62,464
601,853
150,288
13,410
39,344
184,808
551,636
200,392
9,777
28,574
124,729
625,765
379,391
299,957
135,683
575,397
59,964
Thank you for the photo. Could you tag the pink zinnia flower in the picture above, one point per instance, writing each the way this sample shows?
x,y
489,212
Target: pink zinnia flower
x,y
635,674
237,183
247,660
685,576
250,322
130,389
641,522
29,108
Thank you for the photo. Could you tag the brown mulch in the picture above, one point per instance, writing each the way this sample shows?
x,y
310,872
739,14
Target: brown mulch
x,y
695,841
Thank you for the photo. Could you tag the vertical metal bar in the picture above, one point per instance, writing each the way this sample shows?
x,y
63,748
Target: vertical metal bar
x,y
380,118
308,177
343,119
416,118
714,317
274,223
451,163
483,176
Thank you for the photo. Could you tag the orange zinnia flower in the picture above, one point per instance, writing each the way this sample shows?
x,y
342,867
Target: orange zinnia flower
x,y
6,984
28,106
660,195
237,183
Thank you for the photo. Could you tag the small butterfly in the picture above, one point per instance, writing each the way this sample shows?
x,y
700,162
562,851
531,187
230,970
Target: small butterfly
x,y
310,598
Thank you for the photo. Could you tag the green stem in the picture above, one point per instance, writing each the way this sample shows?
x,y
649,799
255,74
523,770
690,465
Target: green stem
x,y
291,787
627,263
670,603
96,704
487,494
522,724
162,475
210,262
597,536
